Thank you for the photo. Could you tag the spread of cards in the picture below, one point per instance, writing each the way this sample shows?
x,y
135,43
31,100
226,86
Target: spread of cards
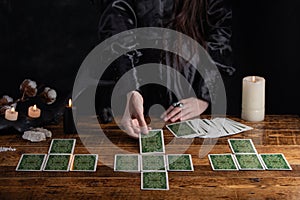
x,y
245,157
205,128
152,162
60,158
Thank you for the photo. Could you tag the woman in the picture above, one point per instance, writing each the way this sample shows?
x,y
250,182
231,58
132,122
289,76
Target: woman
x,y
206,21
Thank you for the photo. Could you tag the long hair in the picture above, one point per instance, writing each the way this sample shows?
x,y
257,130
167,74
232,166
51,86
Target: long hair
x,y
188,18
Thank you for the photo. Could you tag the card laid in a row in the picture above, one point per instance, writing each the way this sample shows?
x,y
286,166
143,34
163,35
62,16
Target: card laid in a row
x,y
205,128
153,162
248,161
58,162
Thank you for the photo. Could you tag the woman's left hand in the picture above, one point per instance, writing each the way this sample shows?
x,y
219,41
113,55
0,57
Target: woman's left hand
x,y
192,107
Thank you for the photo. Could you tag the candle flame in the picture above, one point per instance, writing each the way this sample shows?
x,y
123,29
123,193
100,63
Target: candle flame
x,y
70,102
34,108
12,109
253,79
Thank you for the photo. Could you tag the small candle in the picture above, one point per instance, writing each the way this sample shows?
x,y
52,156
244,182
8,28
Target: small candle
x,y
68,120
253,98
34,112
11,114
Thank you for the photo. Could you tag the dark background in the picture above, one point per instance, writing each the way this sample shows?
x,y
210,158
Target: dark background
x,y
47,40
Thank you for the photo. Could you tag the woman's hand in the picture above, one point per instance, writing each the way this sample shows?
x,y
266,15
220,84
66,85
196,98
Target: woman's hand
x,y
133,119
192,107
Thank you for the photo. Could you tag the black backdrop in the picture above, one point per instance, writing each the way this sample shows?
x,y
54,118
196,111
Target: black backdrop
x,y
47,41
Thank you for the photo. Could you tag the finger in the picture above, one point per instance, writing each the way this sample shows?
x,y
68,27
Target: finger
x,y
172,113
142,123
186,116
131,132
176,117
166,112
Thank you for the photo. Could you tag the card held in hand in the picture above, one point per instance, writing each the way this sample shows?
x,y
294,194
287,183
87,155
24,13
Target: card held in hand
x,y
242,146
222,162
275,161
180,162
153,142
154,181
127,163
31,162
249,161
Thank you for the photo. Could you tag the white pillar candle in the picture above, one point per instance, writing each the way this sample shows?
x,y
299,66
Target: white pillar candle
x,y
253,98
11,114
34,112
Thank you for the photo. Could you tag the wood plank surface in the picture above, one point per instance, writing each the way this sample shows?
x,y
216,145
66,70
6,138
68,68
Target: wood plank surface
x,y
276,134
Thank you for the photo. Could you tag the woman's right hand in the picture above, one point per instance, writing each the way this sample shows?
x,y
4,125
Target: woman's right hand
x,y
133,119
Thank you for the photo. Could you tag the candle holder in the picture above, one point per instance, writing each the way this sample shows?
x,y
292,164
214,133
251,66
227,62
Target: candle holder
x,y
68,119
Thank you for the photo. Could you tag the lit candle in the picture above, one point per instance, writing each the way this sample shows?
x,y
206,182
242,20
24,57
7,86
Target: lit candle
x,y
34,112
11,114
253,98
68,120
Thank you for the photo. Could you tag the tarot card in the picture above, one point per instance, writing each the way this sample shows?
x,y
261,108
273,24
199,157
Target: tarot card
x,y
153,142
62,146
182,130
180,162
84,162
153,162
31,162
242,146
196,124
58,162
275,162
127,163
154,181
222,162
249,161
238,125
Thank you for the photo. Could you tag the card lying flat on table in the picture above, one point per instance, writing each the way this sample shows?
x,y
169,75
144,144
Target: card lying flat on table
x,y
31,162
242,146
182,129
84,162
249,162
58,162
153,163
154,181
62,146
275,162
222,162
127,162
153,142
180,162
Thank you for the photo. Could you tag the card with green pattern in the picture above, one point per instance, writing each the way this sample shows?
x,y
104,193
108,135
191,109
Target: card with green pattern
x,y
154,181
153,142
242,146
249,161
275,161
182,130
62,146
127,163
58,162
180,162
31,162
84,162
222,162
153,163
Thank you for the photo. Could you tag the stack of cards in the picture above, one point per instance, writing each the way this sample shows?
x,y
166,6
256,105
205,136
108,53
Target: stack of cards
x,y
245,157
205,128
59,158
152,162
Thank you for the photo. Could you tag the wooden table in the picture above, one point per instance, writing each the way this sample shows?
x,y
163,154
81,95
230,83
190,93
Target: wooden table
x,y
277,134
